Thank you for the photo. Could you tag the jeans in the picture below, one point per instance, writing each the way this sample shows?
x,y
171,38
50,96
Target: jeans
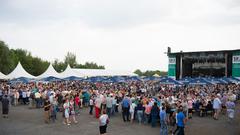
x,y
125,113
109,110
153,120
179,130
140,115
113,109
147,118
163,128
91,110
38,103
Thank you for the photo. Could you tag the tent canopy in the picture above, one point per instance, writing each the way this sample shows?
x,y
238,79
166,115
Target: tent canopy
x,y
49,72
169,81
3,77
69,72
18,72
199,81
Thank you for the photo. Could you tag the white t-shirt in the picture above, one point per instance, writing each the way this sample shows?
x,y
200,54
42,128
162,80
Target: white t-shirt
x,y
217,103
91,102
103,119
132,107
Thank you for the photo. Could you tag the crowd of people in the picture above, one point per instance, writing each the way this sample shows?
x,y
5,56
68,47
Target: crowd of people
x,y
139,102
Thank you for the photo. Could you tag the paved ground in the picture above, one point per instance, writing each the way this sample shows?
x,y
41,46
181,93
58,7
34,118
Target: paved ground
x,y
24,121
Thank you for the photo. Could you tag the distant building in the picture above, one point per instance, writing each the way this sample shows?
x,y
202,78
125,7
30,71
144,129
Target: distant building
x,y
204,63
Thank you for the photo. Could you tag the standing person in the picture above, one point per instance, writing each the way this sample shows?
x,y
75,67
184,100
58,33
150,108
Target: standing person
x,y
37,98
147,112
109,105
47,106
230,109
5,106
16,97
103,122
66,112
54,109
217,106
132,110
163,121
91,104
98,103
125,109
154,114
77,104
72,111
190,108
114,103
181,120
24,97
139,110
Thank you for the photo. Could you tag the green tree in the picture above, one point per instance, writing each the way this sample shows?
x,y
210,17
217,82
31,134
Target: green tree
x,y
138,72
70,59
5,59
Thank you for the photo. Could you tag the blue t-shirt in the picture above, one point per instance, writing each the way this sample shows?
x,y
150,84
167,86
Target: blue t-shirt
x,y
125,103
163,115
180,119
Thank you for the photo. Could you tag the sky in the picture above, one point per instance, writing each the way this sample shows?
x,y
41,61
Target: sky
x,y
119,34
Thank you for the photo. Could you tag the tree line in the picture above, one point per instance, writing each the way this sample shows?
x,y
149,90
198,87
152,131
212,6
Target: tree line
x,y
9,59
149,73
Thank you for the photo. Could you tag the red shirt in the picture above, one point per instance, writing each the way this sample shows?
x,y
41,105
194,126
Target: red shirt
x,y
77,100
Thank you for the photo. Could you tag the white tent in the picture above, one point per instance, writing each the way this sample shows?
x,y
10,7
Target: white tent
x,y
70,72
3,77
49,72
19,71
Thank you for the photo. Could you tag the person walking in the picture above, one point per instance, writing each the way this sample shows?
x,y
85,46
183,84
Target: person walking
x,y
217,106
125,109
139,110
181,120
163,121
5,106
230,109
154,114
132,111
47,106
109,105
103,122
98,103
91,104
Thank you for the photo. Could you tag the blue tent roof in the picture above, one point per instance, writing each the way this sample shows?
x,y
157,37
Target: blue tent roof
x,y
169,81
21,80
73,78
199,81
185,80
51,79
133,78
152,78
216,81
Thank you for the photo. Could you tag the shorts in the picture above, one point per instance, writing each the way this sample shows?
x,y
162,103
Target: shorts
x,y
66,114
103,129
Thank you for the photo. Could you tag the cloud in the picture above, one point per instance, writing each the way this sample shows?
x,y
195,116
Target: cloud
x,y
119,34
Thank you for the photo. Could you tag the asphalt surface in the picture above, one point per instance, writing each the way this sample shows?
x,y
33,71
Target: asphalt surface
x,y
24,121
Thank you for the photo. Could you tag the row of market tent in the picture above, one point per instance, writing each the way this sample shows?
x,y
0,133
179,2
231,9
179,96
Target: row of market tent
x,y
107,76
20,72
